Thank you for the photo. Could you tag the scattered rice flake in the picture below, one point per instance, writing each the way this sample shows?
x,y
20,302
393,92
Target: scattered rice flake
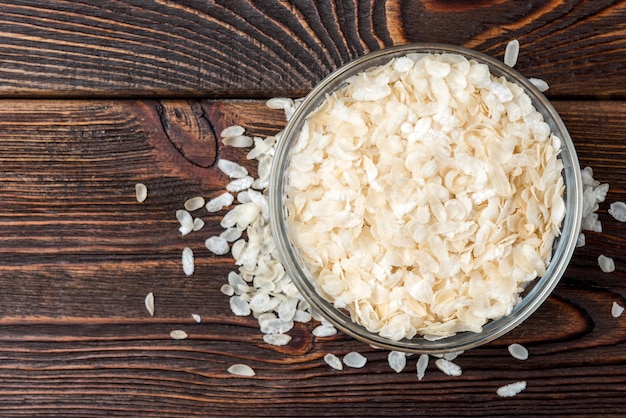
x,y
397,360
186,221
240,184
198,224
277,339
511,53
606,264
333,361
239,306
448,367
196,317
227,289
580,241
518,351
617,310
188,261
511,389
541,85
355,360
324,330
241,370
241,141
149,302
220,202
233,130
141,192
279,103
178,334
232,169
217,245
194,203
618,211
422,364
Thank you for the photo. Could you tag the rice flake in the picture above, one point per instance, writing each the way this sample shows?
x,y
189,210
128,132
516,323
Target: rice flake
x,y
511,53
617,310
355,360
149,302
333,361
178,334
217,245
196,317
397,360
220,202
188,261
241,370
618,211
448,367
518,351
511,389
194,203
607,265
141,192
422,364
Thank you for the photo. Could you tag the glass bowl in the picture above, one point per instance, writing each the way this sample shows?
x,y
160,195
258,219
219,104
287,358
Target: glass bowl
x,y
534,294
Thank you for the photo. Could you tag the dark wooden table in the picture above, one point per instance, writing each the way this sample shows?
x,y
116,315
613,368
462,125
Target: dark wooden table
x,y
99,95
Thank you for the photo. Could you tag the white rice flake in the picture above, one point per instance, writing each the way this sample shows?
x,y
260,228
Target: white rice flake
x,y
518,351
333,361
580,241
240,184
232,169
277,339
194,203
227,289
220,202
196,317
198,224
149,302
606,264
618,211
241,370
241,141
511,53
324,330
422,364
280,103
188,261
178,334
239,306
541,85
141,192
355,360
186,221
233,130
217,245
511,389
397,360
617,310
448,367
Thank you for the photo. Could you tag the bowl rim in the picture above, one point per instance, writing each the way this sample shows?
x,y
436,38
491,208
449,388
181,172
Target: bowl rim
x,y
542,286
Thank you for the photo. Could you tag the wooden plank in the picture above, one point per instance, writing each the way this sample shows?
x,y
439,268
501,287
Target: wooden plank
x,y
78,254
130,48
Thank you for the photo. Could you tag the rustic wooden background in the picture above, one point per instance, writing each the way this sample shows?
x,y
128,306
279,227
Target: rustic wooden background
x,y
96,96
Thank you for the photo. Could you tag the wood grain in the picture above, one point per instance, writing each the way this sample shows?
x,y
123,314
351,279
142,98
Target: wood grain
x,y
78,254
225,48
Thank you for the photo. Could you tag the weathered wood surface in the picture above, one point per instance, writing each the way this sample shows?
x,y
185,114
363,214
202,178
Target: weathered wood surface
x,y
100,95
227,48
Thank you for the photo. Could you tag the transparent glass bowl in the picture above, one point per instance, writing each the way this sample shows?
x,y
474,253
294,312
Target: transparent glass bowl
x,y
536,292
